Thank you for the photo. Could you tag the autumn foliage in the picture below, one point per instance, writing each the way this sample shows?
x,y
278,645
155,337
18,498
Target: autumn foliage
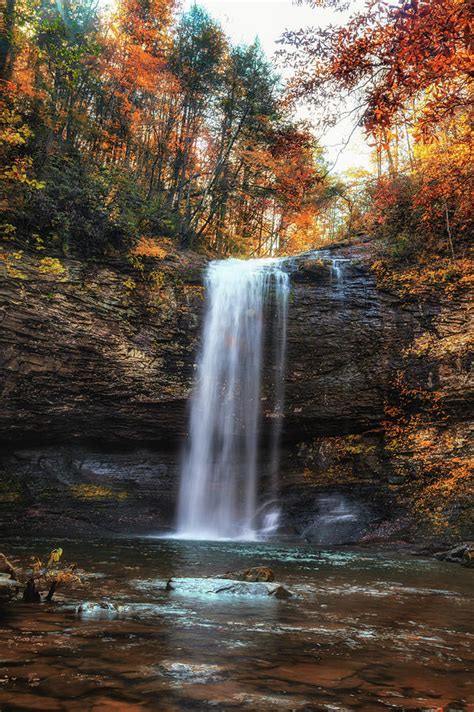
x,y
127,129
408,70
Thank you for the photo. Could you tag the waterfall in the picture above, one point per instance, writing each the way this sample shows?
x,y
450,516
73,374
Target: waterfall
x,y
337,274
220,493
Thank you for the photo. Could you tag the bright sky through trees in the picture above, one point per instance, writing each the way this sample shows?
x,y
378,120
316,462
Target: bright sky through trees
x,y
243,20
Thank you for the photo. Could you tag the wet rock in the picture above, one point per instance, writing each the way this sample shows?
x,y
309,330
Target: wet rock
x,y
396,480
70,490
458,554
256,573
6,567
468,558
97,609
219,586
185,673
8,587
241,588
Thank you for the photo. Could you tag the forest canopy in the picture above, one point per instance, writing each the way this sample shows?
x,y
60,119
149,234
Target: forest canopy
x,y
407,67
146,124
126,131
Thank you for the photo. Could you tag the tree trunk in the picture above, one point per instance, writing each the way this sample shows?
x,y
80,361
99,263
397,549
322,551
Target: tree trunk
x,y
30,594
7,49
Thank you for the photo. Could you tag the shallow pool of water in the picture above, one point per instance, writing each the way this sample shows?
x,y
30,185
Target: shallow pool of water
x,y
364,630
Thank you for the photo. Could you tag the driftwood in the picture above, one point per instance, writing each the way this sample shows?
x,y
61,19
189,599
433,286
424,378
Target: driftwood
x,y
30,594
6,567
41,576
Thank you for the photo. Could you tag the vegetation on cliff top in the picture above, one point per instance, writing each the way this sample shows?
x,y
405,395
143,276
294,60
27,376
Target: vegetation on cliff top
x,y
145,130
120,132
408,65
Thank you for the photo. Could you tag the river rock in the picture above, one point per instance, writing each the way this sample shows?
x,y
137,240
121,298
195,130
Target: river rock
x,y
256,573
97,609
8,587
457,554
246,588
6,567
219,586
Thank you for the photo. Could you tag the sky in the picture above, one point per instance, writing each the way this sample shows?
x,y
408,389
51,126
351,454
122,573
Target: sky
x,y
243,20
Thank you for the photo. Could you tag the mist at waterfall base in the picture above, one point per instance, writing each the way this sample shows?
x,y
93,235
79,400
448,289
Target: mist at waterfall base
x,y
222,495
335,519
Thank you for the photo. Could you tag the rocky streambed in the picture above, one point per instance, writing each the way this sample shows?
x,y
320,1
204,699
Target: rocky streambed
x,y
361,629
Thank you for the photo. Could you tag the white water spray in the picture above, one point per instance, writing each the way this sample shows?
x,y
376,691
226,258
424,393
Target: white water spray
x,y
337,275
219,494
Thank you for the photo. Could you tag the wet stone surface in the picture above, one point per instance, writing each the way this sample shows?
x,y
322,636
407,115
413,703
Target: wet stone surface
x,y
362,631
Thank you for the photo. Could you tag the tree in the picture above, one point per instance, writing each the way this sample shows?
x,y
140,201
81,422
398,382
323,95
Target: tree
x,y
391,54
144,125
7,46
409,66
195,60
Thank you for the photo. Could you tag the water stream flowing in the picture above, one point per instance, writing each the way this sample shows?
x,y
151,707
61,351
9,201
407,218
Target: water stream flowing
x,y
337,266
246,313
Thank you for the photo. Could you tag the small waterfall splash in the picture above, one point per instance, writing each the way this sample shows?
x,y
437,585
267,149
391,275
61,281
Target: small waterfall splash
x,y
219,497
337,275
335,521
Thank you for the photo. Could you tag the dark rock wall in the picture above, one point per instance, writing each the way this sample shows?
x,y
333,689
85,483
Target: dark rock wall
x,y
97,354
342,343
72,490
97,365
346,343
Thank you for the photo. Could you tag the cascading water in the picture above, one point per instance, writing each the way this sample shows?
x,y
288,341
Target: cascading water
x,y
219,494
337,275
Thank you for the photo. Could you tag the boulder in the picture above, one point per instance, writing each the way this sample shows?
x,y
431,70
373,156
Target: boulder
x,y
219,586
457,554
256,573
6,566
247,588
97,609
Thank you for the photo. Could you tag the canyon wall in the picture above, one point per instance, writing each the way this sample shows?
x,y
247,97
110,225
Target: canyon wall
x,y
97,363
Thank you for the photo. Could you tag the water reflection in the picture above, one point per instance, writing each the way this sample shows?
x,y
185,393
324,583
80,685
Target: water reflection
x,y
363,631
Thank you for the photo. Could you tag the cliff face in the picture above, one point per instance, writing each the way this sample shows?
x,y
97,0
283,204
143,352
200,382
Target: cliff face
x,y
97,365
343,344
93,353
348,339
